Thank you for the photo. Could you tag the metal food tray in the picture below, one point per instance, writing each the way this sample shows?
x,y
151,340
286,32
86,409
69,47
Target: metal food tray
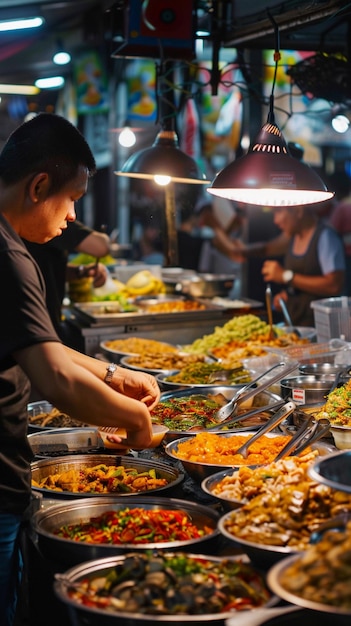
x,y
100,314
65,441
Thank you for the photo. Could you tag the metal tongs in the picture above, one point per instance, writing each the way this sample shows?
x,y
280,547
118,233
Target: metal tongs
x,y
246,393
278,417
309,432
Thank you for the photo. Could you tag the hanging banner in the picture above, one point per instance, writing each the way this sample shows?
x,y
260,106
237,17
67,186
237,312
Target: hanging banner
x,y
91,84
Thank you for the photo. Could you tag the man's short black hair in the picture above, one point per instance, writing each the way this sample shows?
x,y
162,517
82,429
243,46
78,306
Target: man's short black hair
x,y
46,143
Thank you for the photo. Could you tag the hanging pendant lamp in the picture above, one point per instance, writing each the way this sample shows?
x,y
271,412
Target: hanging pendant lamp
x,y
163,162
268,175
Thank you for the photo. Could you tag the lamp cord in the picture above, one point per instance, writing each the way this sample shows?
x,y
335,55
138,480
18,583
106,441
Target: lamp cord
x,y
276,58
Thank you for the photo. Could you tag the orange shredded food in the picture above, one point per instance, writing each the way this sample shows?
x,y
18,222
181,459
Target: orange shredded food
x,y
220,450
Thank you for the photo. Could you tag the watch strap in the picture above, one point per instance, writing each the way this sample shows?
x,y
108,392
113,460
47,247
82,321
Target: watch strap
x,y
110,370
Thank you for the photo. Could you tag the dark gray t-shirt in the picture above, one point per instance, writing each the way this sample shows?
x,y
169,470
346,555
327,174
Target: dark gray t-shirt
x,y
24,321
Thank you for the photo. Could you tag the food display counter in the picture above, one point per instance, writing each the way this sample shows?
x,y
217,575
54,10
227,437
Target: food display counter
x,y
92,323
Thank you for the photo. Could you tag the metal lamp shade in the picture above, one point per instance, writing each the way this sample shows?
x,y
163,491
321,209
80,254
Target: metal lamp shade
x,y
164,158
269,176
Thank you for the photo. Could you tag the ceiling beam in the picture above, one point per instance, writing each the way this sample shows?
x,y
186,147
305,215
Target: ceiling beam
x,y
254,29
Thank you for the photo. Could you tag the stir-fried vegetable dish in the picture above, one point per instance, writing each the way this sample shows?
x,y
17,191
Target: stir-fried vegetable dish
x,y
199,374
338,406
161,584
194,413
323,572
186,412
136,526
102,479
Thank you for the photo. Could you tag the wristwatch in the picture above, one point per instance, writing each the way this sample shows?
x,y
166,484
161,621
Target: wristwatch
x,y
288,275
110,370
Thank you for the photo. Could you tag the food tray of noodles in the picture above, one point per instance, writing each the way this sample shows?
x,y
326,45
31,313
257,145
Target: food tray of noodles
x,y
158,363
114,349
185,411
101,475
189,588
85,529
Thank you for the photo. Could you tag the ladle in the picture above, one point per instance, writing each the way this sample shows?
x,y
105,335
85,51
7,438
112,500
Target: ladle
x,y
287,318
278,417
272,332
245,393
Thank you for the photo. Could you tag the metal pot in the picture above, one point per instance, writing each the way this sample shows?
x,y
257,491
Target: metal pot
x,y
85,615
46,522
207,285
45,467
306,389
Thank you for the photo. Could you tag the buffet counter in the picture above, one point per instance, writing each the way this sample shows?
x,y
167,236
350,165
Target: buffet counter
x,y
90,329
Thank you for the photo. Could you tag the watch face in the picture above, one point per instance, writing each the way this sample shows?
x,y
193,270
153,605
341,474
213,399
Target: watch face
x,y
288,276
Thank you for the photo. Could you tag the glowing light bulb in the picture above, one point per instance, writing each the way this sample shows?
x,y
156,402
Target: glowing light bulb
x,y
127,138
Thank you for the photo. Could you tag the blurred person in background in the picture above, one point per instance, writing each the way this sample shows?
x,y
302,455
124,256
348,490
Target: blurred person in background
x,y
313,264
53,260
340,219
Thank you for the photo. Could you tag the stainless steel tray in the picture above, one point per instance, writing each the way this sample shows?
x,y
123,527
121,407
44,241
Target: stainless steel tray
x,y
104,314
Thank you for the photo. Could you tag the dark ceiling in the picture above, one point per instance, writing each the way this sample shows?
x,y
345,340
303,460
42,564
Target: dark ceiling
x,y
303,25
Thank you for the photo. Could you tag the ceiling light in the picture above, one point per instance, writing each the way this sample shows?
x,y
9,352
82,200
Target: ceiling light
x,y
54,82
340,123
268,175
20,24
61,58
127,137
21,90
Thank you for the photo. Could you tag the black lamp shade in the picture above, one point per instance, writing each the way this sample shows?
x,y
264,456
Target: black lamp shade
x,y
269,176
164,158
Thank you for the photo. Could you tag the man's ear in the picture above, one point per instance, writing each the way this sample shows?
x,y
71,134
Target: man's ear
x,y
39,187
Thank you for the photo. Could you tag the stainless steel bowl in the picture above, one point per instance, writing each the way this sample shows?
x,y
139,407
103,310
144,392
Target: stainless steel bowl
x,y
170,385
84,615
209,484
42,406
200,470
116,355
333,470
225,393
306,389
263,556
274,581
207,285
45,467
125,362
46,522
319,369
